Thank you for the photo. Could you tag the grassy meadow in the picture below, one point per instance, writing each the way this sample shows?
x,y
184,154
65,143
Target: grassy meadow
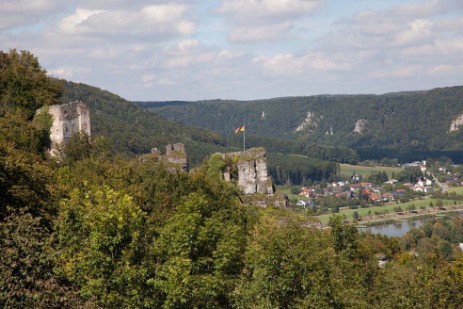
x,y
382,209
457,190
349,170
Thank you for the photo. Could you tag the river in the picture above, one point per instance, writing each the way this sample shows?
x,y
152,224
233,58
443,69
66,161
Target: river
x,y
400,228
396,229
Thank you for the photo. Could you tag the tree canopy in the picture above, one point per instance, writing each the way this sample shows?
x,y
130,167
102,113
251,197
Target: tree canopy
x,y
24,84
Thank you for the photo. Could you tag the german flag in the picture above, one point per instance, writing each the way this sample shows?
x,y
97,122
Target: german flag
x,y
240,129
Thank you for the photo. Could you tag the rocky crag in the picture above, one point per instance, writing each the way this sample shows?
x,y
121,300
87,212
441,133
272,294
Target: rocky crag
x,y
252,178
456,124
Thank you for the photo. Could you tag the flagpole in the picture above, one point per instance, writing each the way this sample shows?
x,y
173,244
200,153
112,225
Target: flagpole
x,y
244,139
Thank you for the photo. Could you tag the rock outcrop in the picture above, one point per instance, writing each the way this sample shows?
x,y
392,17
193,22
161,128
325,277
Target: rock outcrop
x,y
360,126
309,122
68,119
252,173
456,124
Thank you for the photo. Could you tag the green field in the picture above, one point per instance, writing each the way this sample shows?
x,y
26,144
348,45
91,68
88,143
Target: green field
x,y
349,170
389,207
287,190
457,190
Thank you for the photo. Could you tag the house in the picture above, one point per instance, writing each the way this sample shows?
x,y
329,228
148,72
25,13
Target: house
x,y
375,197
398,193
356,178
367,185
454,180
422,188
388,196
307,192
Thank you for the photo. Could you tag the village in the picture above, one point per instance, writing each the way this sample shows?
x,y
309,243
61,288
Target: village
x,y
416,187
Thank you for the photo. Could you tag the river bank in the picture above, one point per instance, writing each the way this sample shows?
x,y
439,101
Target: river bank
x,y
406,215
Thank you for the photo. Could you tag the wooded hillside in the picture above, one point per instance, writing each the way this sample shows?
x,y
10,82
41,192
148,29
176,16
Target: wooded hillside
x,y
406,125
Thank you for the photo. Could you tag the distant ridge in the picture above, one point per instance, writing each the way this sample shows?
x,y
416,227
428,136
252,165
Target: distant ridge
x,y
408,124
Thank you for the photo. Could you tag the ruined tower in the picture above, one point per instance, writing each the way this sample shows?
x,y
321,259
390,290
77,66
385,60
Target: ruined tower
x,y
68,119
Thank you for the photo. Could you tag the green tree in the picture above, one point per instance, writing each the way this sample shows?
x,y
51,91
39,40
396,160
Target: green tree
x,y
343,236
24,85
100,237
201,248
411,207
27,261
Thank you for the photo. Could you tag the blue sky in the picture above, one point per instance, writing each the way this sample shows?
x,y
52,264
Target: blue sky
x,y
241,49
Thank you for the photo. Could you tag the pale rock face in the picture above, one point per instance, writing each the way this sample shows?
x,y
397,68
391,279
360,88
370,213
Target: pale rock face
x,y
309,122
456,124
360,126
253,175
247,177
264,184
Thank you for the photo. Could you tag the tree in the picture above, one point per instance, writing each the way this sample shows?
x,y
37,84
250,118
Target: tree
x,y
24,85
411,207
100,240
343,236
27,261
201,249
440,203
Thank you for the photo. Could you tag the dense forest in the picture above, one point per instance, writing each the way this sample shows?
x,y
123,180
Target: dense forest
x,y
96,230
404,125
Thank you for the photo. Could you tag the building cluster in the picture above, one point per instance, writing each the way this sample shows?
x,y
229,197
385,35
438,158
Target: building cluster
x,y
364,190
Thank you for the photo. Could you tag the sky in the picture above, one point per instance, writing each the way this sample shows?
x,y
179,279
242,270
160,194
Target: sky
x,y
152,50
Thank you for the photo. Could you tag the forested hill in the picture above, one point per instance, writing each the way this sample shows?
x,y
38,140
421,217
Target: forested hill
x,y
131,130
405,125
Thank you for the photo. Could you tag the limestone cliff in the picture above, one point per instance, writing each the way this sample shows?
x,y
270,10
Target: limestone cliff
x,y
253,179
456,124
252,173
309,122
360,126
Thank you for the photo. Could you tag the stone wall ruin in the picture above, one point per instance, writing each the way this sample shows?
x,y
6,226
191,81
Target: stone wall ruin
x,y
68,119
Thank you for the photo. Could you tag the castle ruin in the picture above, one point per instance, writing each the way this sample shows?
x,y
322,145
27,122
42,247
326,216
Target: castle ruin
x,y
68,119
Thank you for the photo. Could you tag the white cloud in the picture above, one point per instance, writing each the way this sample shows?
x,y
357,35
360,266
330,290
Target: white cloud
x,y
288,64
69,72
259,33
264,20
75,23
150,80
157,20
26,12
444,69
416,32
243,9
406,71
